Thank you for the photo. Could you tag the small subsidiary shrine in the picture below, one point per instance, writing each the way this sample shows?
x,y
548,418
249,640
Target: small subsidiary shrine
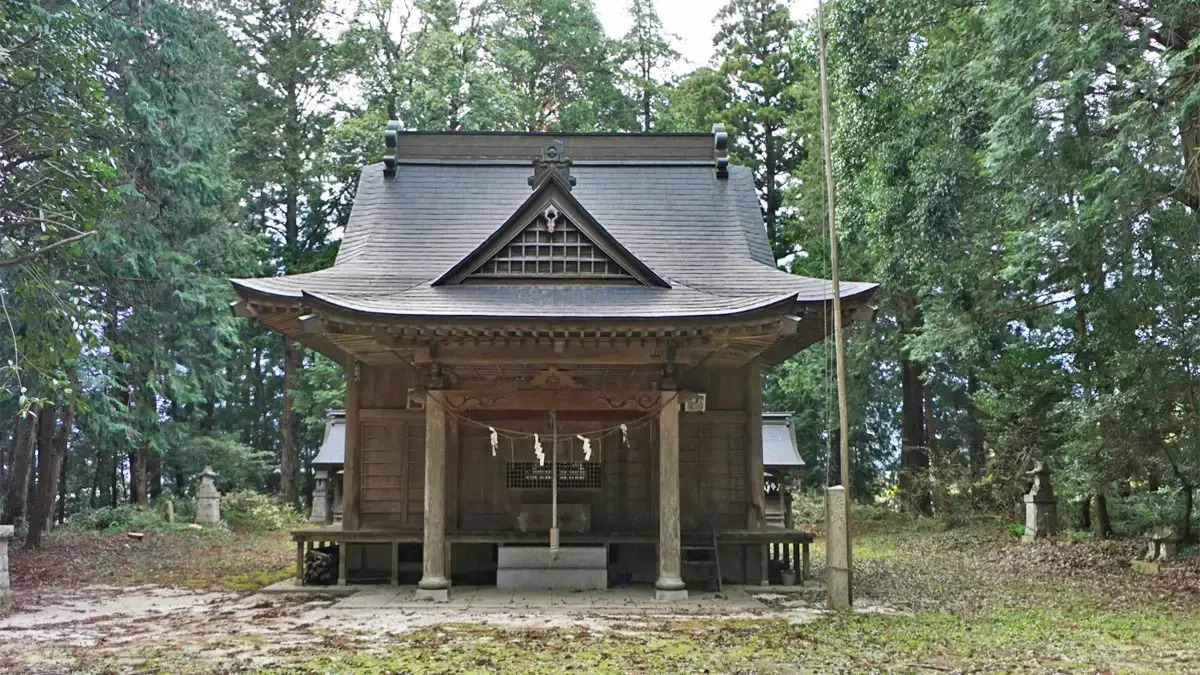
x,y
553,347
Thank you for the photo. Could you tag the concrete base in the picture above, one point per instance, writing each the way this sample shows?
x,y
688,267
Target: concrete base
x,y
290,586
556,578
434,594
661,595
837,553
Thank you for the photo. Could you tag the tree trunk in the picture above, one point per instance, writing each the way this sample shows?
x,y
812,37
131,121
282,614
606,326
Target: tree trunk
x,y
97,473
914,454
1185,528
50,458
1085,513
22,464
977,452
153,476
113,493
289,446
137,476
1102,523
61,516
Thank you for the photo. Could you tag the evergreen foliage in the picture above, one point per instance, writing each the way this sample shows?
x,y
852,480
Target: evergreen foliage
x,y
1022,178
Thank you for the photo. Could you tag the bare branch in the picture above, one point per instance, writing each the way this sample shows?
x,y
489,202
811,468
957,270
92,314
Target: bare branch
x,y
43,251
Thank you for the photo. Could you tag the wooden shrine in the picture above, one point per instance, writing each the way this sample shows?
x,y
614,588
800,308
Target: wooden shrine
x,y
554,348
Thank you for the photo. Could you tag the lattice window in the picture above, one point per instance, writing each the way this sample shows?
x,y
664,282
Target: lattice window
x,y
571,475
551,246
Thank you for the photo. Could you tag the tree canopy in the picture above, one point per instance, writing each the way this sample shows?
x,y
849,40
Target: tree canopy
x,y
1022,179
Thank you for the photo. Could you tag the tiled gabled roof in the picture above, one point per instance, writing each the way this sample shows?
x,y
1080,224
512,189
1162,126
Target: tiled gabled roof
x,y
703,235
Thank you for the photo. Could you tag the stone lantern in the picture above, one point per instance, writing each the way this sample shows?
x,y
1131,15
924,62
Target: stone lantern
x,y
1041,506
208,500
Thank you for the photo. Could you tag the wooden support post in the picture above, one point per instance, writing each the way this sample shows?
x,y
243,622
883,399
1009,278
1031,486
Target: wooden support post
x,y
803,563
669,585
764,576
756,508
300,562
343,551
434,584
395,578
352,469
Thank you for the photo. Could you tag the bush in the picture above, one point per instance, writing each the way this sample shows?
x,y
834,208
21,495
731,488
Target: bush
x,y
809,507
125,517
1142,512
249,510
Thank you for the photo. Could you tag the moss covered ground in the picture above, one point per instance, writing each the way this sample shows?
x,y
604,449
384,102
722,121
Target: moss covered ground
x,y
965,600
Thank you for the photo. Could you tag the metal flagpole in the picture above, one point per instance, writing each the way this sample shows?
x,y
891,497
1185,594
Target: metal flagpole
x,y
839,336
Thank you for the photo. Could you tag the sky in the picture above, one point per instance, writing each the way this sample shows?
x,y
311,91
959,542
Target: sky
x,y
691,20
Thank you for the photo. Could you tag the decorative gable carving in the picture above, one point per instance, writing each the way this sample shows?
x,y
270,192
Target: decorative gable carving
x,y
552,246
552,237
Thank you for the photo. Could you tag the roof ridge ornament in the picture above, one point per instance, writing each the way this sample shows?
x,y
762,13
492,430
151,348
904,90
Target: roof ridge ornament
x,y
721,150
553,162
391,139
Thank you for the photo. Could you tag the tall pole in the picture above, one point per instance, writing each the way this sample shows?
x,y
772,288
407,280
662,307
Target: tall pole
x,y
838,333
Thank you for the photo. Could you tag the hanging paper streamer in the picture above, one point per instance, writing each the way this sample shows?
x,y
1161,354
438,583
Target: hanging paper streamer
x,y
587,447
537,450
495,440
625,435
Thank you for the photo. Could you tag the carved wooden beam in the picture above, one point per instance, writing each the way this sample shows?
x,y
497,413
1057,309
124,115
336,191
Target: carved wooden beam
x,y
548,399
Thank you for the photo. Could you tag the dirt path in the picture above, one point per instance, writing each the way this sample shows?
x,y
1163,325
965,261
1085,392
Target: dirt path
x,y
130,628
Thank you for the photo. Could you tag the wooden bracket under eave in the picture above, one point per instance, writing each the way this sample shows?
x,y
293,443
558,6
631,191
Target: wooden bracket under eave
x,y
862,313
242,309
311,324
789,325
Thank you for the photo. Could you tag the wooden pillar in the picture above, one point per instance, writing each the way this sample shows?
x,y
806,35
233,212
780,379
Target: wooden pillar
x,y
755,496
395,572
352,470
669,585
343,553
435,583
803,563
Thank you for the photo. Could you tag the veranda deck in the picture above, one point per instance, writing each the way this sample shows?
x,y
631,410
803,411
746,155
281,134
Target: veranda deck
x,y
778,544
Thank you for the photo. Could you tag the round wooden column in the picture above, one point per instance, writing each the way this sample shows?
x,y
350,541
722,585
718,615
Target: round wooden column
x,y
669,585
435,582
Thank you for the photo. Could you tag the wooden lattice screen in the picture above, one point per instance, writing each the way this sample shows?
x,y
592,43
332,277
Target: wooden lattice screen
x,y
562,251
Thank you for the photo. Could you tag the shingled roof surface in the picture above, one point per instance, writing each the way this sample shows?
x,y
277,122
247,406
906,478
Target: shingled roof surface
x,y
703,235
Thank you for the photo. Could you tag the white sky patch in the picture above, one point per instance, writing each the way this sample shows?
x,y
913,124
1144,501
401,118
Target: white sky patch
x,y
692,21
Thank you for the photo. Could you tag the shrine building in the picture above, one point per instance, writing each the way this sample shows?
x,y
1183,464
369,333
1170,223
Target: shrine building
x,y
553,346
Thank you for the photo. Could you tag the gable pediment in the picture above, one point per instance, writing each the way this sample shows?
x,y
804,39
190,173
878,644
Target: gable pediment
x,y
551,237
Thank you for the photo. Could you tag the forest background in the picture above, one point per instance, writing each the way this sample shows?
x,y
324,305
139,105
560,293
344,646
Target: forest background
x,y
1021,176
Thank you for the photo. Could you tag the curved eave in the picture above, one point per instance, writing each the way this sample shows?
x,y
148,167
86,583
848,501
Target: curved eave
x,y
769,305
247,289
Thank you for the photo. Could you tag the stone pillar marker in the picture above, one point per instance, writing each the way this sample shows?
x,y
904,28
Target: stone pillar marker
x,y
435,583
208,500
837,556
318,503
6,533
669,586
1041,506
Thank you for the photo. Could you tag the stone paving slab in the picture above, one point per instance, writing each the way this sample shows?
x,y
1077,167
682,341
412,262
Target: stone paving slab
x,y
731,600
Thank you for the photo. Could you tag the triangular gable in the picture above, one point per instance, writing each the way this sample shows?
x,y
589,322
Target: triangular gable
x,y
551,237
